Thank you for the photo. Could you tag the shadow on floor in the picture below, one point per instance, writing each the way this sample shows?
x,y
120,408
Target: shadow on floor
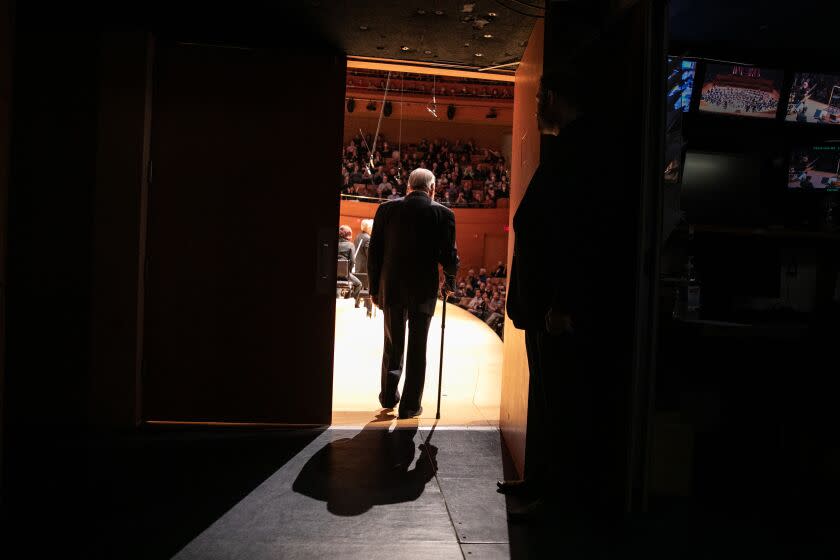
x,y
141,496
375,467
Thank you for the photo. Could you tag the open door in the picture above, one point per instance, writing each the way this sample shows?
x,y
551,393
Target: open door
x,y
240,278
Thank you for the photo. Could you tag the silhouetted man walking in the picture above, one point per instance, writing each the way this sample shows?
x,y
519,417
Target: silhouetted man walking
x,y
410,237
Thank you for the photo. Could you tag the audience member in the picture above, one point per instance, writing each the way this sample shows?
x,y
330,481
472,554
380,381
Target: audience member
x,y
500,271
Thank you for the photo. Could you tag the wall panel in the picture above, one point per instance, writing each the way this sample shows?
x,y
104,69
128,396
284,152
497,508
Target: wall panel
x,y
525,157
471,227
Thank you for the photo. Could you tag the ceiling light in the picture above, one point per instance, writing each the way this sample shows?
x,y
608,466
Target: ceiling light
x,y
488,35
479,54
427,52
438,12
491,14
364,27
421,12
404,48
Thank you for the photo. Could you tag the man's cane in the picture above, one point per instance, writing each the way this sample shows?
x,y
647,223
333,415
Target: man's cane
x,y
440,371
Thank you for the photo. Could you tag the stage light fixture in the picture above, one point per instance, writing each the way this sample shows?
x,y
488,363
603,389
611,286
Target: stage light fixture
x,y
387,109
491,114
351,104
371,106
450,112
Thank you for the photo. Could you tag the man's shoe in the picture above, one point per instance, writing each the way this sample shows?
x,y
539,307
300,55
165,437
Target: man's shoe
x,y
532,512
410,413
357,304
514,487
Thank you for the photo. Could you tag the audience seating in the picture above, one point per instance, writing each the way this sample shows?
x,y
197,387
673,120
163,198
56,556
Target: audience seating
x,y
419,154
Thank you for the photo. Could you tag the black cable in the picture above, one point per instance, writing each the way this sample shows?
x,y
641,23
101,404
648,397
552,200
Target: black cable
x,y
517,11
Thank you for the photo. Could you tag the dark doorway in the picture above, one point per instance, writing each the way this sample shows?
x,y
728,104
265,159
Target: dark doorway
x,y
239,308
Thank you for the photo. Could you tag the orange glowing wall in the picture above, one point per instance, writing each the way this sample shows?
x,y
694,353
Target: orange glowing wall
x,y
479,232
524,160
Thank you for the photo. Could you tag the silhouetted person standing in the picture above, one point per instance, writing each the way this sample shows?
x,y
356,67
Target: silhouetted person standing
x,y
563,294
347,251
411,237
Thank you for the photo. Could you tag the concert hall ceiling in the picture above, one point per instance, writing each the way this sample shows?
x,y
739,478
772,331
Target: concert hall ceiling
x,y
479,33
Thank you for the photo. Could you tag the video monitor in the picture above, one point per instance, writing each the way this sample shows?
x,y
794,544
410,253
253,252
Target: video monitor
x,y
746,91
814,98
722,188
680,83
815,168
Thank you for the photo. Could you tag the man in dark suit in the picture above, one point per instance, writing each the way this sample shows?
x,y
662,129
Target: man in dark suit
x,y
410,237
347,251
566,249
362,245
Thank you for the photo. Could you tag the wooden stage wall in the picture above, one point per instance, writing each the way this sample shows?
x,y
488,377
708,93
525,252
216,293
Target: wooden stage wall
x,y
479,232
513,418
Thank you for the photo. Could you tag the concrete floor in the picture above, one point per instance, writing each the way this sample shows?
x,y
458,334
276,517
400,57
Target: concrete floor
x,y
368,493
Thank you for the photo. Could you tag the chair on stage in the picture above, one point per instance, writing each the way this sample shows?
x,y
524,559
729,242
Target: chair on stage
x,y
343,286
342,282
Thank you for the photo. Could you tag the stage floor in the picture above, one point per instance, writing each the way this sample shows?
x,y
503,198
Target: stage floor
x,y
472,369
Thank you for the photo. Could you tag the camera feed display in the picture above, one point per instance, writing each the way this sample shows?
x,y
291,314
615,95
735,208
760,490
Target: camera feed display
x,y
814,98
745,91
680,83
815,168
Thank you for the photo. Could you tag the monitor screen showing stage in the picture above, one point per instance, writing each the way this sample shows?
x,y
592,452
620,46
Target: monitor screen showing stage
x,y
746,91
680,83
815,167
814,98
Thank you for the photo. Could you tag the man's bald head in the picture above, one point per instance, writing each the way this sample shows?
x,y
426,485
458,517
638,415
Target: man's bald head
x,y
421,180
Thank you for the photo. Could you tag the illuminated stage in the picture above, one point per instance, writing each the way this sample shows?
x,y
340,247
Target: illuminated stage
x,y
472,368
